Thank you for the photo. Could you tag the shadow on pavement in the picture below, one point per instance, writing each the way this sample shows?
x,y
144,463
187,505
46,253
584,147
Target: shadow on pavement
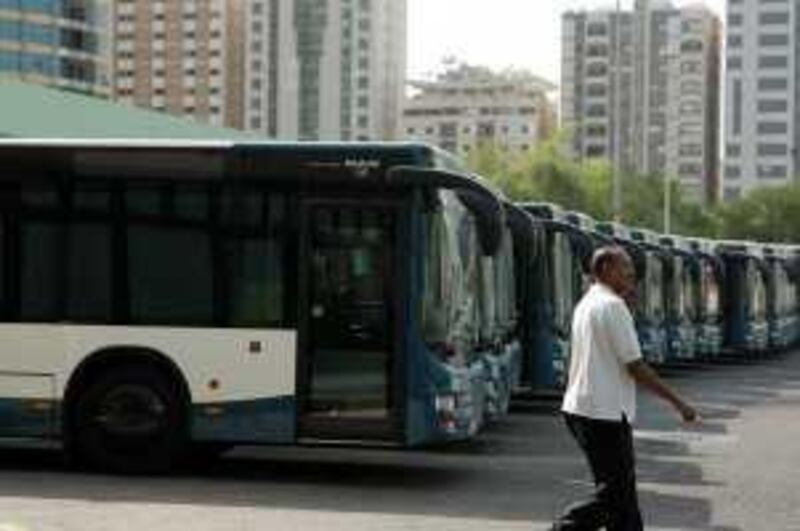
x,y
523,469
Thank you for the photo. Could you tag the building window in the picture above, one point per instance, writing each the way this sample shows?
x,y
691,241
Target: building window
x,y
773,128
772,40
770,84
596,151
596,131
771,171
597,29
692,46
772,106
733,172
596,90
772,150
596,110
691,150
691,67
735,19
773,18
773,61
733,150
734,41
596,70
734,63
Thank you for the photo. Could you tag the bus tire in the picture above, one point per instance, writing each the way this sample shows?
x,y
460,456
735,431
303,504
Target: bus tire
x,y
130,419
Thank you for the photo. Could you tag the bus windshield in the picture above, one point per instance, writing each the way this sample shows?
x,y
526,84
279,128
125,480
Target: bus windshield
x,y
758,291
563,288
710,288
678,295
451,295
690,293
655,274
505,282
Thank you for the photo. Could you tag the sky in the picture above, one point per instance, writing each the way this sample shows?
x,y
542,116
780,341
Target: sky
x,y
497,33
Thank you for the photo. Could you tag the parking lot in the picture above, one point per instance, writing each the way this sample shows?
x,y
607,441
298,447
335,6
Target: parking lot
x,y
736,470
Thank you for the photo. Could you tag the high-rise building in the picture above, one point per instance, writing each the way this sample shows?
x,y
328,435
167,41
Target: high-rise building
x,y
662,109
330,70
678,133
762,109
180,56
596,108
467,106
290,69
52,42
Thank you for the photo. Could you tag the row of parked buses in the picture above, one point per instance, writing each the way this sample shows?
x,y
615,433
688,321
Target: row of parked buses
x,y
696,299
158,298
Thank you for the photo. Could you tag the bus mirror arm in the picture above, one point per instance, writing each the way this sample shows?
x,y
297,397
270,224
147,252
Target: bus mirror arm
x,y
485,203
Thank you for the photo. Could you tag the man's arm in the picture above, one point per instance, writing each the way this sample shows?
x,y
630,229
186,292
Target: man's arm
x,y
645,376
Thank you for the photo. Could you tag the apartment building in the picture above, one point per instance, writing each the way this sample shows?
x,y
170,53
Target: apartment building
x,y
290,69
665,120
691,143
180,56
597,109
52,42
468,106
762,95
325,70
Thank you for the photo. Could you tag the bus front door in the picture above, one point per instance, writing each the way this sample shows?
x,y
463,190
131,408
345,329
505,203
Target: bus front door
x,y
348,337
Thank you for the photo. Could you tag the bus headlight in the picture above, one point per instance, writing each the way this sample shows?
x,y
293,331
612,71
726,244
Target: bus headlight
x,y
446,404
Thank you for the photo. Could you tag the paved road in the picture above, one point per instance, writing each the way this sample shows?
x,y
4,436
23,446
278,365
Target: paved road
x,y
738,470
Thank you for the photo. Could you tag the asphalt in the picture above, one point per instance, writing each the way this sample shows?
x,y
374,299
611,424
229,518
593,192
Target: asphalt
x,y
736,470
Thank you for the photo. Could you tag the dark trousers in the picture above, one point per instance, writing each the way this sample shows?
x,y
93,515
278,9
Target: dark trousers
x,y
608,446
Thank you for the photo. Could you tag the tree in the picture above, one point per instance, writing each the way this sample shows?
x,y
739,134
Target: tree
x,y
767,214
547,174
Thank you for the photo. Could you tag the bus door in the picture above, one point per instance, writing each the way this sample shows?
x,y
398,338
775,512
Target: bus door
x,y
348,370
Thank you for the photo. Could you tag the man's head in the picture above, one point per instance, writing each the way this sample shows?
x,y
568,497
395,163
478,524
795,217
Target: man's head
x,y
613,267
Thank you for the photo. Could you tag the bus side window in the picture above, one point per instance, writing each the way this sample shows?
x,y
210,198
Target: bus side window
x,y
255,231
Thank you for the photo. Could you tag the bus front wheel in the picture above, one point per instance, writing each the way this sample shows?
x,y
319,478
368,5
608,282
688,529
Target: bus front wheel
x,y
130,419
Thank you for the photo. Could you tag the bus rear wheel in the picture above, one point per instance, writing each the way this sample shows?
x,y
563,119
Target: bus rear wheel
x,y
129,419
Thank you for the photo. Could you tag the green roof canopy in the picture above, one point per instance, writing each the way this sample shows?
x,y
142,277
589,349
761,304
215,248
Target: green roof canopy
x,y
34,111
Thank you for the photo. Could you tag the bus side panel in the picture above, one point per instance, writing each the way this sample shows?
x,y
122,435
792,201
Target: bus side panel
x,y
241,382
32,357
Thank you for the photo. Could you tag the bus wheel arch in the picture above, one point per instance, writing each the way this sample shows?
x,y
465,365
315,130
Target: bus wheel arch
x,y
134,376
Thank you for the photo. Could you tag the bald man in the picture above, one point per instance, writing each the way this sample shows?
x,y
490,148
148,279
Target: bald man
x,y
600,401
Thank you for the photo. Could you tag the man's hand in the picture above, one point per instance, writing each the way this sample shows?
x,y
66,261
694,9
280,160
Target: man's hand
x,y
688,413
647,377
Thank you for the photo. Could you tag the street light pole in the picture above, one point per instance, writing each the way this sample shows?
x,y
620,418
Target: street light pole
x,y
667,204
617,165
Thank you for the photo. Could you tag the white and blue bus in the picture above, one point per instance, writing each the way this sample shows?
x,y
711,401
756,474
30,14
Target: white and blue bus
x,y
157,296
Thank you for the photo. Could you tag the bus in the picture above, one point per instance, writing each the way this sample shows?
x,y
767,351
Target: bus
x,y
682,285
780,297
498,317
744,298
531,270
709,327
549,311
158,297
651,322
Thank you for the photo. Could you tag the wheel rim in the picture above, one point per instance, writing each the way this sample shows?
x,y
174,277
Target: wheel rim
x,y
131,411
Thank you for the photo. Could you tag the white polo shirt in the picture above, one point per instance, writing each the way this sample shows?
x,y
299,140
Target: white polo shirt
x,y
604,341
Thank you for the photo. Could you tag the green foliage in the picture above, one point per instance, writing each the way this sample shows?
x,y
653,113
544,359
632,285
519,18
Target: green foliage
x,y
547,174
768,214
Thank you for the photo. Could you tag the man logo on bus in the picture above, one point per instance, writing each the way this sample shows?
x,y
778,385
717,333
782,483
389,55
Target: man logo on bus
x,y
362,167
